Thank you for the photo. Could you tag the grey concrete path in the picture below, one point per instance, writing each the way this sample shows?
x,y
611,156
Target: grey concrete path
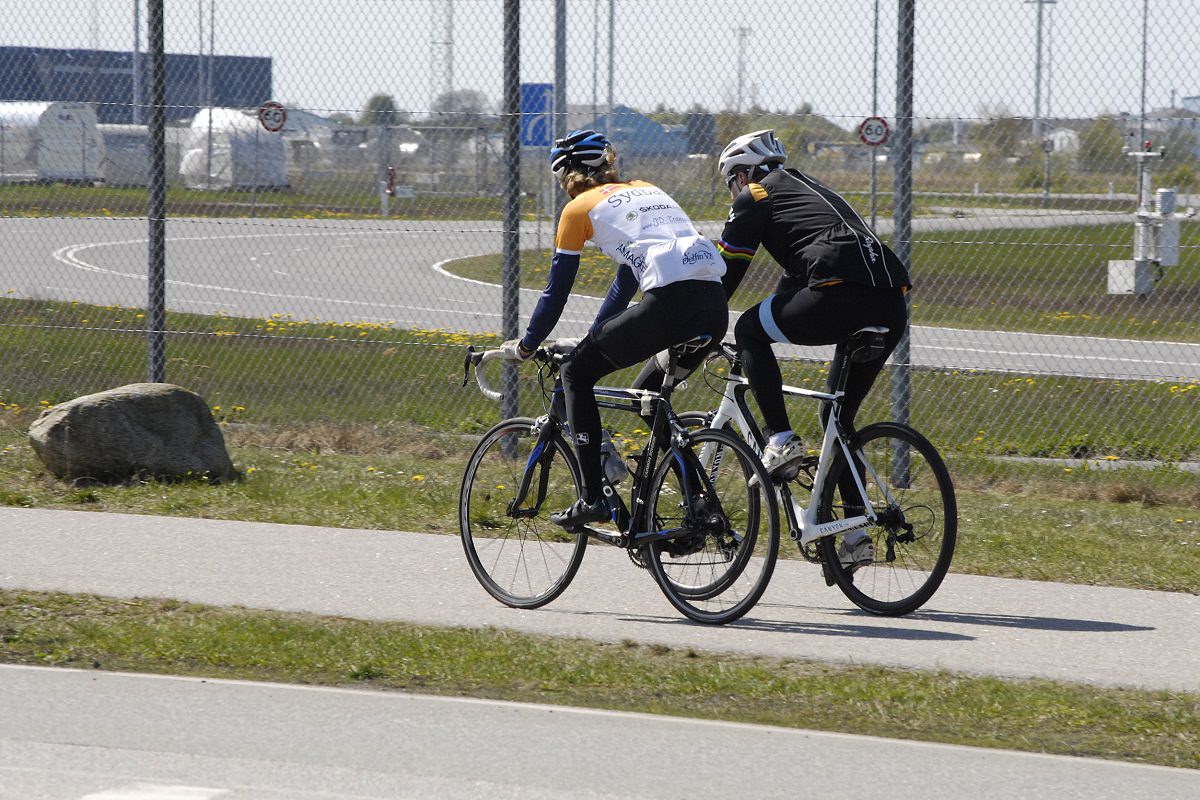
x,y
1085,634
87,735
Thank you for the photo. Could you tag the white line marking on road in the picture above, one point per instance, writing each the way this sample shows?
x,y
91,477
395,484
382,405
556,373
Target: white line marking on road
x,y
1103,339
440,268
156,791
1058,356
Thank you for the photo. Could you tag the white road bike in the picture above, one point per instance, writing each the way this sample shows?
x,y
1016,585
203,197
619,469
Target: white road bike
x,y
881,517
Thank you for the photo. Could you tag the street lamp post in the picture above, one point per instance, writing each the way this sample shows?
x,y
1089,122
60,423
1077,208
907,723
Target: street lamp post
x,y
874,112
1043,142
742,33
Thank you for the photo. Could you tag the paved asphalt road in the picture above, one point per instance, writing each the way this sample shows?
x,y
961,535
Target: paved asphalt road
x,y
388,272
1083,634
94,736
73,735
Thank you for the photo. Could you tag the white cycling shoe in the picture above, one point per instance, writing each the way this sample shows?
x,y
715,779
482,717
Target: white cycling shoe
x,y
856,551
782,461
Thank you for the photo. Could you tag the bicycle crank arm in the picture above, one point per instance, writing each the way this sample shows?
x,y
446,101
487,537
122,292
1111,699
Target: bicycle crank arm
x,y
607,537
824,529
646,537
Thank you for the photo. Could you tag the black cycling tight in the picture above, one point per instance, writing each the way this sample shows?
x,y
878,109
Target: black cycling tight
x,y
666,315
811,317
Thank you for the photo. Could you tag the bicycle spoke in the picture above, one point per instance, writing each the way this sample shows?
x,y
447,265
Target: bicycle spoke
x,y
523,561
917,521
713,573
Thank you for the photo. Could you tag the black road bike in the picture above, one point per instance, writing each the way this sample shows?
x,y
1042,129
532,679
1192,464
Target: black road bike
x,y
701,515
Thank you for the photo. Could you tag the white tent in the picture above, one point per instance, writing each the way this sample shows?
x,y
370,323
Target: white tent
x,y
50,142
127,155
227,148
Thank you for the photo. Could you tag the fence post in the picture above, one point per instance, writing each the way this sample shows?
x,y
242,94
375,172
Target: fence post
x,y
511,277
156,309
558,127
902,199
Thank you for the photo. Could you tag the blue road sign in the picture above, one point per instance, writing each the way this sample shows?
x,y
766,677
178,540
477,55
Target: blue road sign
x,y
537,119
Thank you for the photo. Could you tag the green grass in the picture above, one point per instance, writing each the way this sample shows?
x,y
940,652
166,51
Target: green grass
x,y
1027,521
295,373
1040,280
163,636
368,426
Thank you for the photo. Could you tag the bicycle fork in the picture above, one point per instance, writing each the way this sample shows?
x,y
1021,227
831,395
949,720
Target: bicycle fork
x,y
538,463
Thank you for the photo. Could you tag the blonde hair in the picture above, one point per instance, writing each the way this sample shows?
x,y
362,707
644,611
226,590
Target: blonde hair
x,y
575,182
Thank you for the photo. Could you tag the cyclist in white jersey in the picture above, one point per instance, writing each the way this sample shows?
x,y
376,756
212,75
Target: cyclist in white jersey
x,y
658,250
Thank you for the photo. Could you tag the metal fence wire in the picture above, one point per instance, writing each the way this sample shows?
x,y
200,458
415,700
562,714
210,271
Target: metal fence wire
x,y
337,177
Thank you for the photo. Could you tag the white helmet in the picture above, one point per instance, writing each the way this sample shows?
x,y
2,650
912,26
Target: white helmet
x,y
749,151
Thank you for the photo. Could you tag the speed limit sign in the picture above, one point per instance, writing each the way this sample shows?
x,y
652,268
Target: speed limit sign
x,y
873,131
272,116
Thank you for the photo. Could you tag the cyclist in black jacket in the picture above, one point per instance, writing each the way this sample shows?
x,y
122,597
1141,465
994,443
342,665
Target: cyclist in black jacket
x,y
838,277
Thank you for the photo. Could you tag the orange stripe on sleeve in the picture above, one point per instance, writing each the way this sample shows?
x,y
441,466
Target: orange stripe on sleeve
x,y
575,225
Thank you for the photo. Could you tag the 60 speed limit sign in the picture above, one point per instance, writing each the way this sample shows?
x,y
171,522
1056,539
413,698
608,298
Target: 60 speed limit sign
x,y
272,116
873,131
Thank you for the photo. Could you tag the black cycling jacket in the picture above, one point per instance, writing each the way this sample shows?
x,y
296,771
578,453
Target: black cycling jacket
x,y
814,234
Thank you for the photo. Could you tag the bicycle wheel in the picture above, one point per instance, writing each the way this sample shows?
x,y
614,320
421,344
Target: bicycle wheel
x,y
719,570
909,486
516,553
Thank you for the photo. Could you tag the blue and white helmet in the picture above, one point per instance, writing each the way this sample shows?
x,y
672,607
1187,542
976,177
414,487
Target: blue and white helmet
x,y
583,151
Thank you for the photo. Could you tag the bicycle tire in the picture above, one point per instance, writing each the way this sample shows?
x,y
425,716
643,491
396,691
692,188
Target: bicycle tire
x,y
904,574
522,561
718,573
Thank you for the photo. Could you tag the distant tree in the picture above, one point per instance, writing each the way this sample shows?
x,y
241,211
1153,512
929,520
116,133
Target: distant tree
x,y
940,132
461,106
1179,147
1100,146
795,131
381,110
457,117
1001,135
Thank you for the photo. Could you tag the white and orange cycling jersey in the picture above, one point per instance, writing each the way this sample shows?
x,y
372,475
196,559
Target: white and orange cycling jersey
x,y
638,224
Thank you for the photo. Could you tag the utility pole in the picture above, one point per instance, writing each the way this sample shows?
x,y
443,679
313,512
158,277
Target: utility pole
x,y
443,72
1037,75
742,34
612,26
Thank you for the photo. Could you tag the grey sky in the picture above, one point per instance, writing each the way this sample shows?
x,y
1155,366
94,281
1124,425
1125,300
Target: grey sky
x,y
972,55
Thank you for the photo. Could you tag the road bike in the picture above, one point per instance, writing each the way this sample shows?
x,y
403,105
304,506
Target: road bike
x,y
708,531
882,519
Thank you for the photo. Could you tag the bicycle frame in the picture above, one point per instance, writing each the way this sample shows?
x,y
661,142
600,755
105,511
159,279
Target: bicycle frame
x,y
801,520
666,436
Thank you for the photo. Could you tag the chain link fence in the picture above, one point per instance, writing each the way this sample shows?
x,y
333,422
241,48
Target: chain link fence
x,y
327,259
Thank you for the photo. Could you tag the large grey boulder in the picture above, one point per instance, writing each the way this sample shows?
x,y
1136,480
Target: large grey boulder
x,y
140,430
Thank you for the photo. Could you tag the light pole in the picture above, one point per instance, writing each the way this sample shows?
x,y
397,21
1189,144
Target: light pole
x,y
874,112
1043,142
612,26
1037,76
1142,119
742,33
136,115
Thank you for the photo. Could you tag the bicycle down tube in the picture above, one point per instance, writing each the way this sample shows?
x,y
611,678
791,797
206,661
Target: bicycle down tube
x,y
733,408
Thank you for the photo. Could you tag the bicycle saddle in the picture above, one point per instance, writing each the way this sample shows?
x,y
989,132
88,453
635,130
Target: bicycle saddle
x,y
867,344
693,345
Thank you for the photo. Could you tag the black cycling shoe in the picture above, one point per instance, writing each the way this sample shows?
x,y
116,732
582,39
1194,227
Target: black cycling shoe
x,y
581,513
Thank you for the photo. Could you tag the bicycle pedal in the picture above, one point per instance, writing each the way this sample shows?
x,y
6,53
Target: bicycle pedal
x,y
828,573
